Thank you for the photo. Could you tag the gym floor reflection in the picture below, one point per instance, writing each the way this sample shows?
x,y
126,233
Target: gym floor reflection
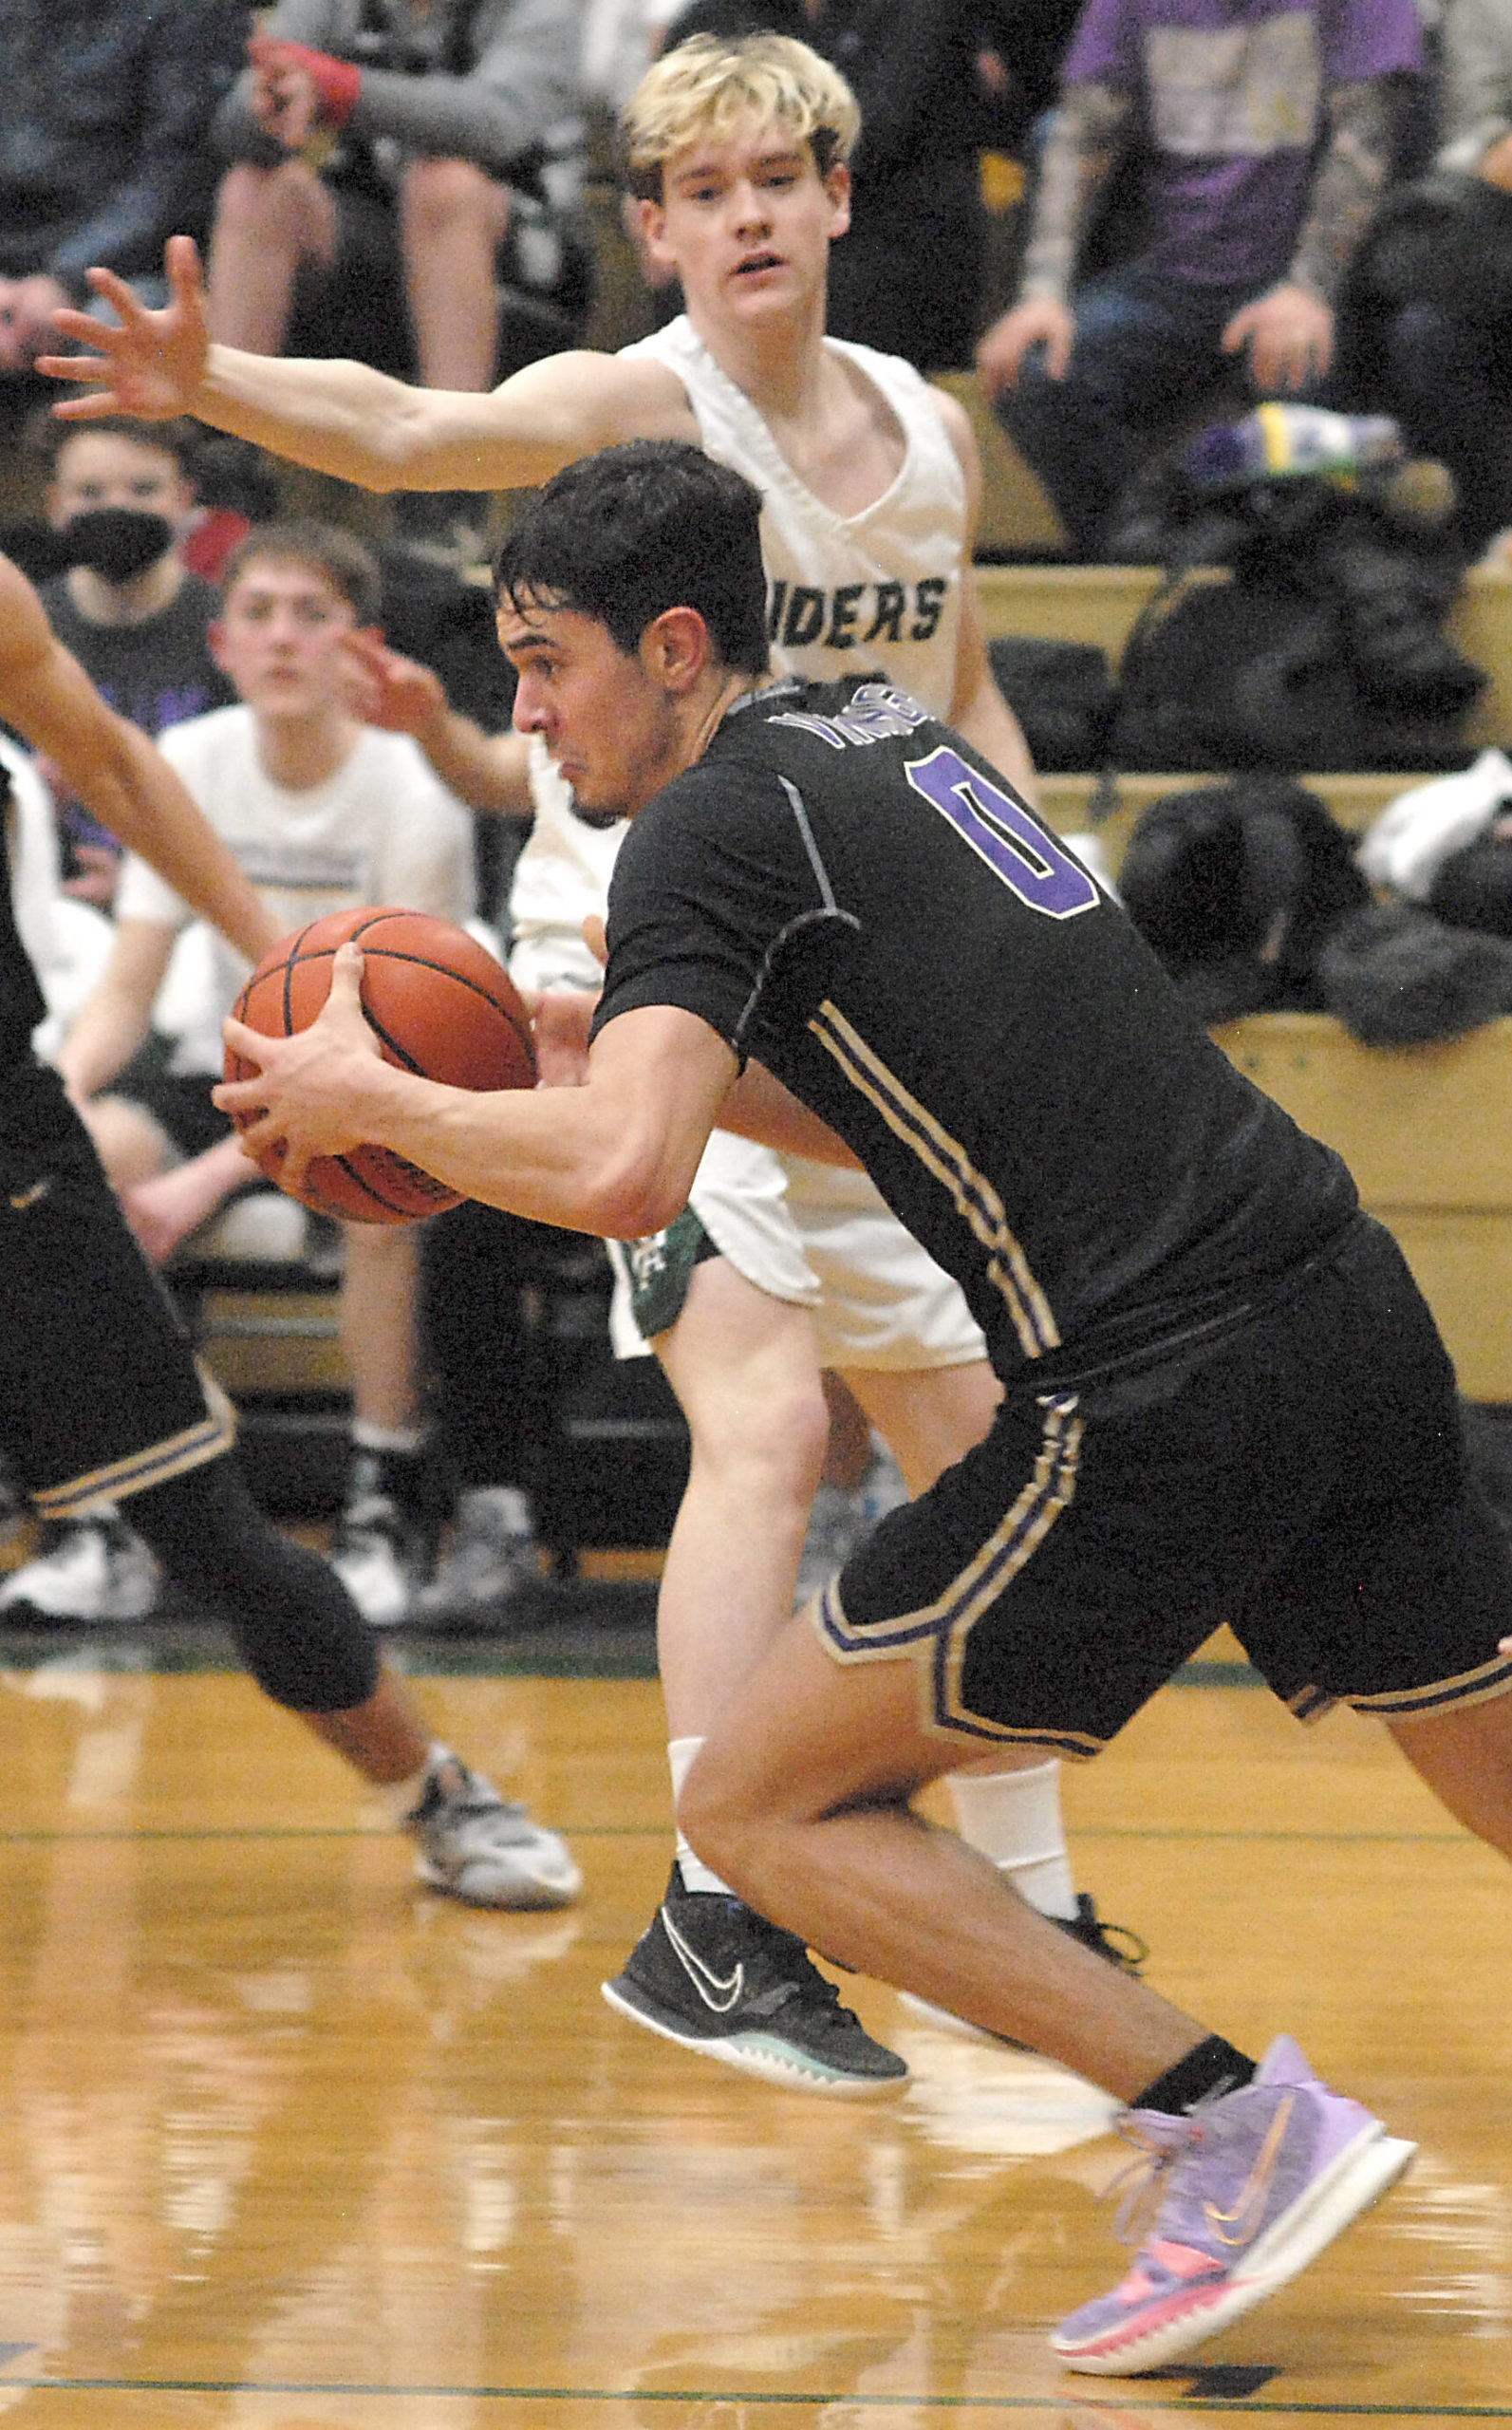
x,y
287,2141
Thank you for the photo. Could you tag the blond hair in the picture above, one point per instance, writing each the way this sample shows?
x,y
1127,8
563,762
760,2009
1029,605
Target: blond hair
x,y
710,87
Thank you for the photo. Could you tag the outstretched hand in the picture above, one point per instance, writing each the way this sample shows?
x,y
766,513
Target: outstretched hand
x,y
388,690
314,1092
151,366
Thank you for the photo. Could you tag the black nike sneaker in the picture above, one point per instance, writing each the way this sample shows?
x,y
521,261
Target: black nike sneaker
x,y
711,1974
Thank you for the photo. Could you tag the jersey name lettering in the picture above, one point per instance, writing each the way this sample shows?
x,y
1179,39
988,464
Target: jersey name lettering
x,y
799,615
873,712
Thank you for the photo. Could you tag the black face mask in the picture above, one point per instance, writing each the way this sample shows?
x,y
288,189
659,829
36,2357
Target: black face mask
x,y
117,542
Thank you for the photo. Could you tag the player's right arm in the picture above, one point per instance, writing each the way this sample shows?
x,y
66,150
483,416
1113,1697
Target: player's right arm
x,y
350,422
115,771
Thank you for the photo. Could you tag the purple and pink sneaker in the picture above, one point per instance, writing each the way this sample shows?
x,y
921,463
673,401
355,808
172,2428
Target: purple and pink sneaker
x,y
1256,2184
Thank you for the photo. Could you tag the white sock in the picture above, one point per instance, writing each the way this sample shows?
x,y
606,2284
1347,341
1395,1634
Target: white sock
x,y
400,1798
1014,1818
408,1441
696,1874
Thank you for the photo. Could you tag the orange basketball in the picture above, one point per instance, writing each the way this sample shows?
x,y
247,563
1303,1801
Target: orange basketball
x,y
441,1005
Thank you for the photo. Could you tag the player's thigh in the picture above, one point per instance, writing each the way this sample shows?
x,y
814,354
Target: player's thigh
x,y
1395,1596
102,1393
803,1735
928,1416
743,1364
1025,1590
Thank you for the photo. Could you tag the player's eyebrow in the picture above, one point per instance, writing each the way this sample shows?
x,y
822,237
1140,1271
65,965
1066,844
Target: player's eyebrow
x,y
694,171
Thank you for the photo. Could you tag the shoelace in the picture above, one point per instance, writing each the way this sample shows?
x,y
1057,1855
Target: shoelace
x,y
1119,1943
1140,2185
800,1977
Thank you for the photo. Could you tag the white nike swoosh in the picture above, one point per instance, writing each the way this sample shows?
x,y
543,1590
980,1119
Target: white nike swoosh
x,y
21,1199
704,1981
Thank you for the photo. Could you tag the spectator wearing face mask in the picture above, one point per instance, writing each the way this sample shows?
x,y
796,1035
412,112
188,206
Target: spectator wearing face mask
x,y
121,499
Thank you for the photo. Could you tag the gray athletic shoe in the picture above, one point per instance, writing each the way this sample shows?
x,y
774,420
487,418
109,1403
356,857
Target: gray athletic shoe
x,y
483,1848
89,1570
492,1558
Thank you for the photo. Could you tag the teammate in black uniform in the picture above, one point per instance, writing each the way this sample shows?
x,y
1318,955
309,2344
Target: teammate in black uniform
x,y
1223,1397
102,1396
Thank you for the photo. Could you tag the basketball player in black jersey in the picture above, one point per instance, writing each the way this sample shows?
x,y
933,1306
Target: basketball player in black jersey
x,y
102,1396
1223,1398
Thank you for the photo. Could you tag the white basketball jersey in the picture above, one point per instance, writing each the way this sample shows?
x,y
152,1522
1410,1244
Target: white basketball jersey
x,y
845,594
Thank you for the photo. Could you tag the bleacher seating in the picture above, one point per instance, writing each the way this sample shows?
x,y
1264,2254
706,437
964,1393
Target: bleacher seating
x,y
1425,1130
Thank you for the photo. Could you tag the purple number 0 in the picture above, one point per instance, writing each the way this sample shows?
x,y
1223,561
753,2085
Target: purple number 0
x,y
1003,834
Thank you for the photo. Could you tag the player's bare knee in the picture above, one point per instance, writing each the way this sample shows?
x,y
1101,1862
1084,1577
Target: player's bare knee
x,y
774,1438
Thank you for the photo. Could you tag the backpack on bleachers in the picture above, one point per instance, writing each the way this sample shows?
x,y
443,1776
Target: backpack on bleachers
x,y
1322,651
1237,886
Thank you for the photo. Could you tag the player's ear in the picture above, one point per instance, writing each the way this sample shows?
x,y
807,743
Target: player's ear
x,y
676,648
215,638
649,225
837,186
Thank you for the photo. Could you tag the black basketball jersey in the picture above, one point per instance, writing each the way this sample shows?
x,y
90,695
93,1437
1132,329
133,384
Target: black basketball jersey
x,y
841,888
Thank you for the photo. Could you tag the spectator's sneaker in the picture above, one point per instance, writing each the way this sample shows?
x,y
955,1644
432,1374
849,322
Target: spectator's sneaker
x,y
384,1539
712,1974
484,1849
841,1517
1256,2184
368,1556
89,1570
492,1556
1121,1947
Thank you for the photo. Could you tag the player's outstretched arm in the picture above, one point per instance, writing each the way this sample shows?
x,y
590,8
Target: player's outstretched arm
x,y
616,1156
346,419
115,771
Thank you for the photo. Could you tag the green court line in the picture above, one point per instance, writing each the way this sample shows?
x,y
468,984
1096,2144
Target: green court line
x,y
587,1651
482,2390
658,1831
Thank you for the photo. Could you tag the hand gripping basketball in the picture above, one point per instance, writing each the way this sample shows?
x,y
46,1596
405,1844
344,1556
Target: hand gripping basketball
x,y
438,1003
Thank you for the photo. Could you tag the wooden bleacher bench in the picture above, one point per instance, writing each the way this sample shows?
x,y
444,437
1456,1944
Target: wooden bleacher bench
x,y
1426,1130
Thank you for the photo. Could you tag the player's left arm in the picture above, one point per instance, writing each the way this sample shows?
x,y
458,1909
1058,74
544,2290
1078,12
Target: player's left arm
x,y
615,1156
978,709
116,772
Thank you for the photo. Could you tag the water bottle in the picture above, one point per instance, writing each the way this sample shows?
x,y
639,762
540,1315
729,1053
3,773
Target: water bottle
x,y
1277,443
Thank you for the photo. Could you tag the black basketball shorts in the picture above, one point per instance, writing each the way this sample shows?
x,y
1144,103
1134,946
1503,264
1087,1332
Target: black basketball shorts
x,y
100,1394
1305,1484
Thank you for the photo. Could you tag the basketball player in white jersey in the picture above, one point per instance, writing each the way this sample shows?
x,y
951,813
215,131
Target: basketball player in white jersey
x,y
870,486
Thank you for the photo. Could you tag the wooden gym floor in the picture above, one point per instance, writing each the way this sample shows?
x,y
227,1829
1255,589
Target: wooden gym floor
x,y
286,2144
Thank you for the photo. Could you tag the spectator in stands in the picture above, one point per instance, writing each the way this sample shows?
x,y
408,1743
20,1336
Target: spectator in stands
x,y
392,171
322,813
135,617
105,126
1262,131
1448,345
906,277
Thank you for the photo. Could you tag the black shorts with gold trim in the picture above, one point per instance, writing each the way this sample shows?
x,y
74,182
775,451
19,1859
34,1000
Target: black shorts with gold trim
x,y
1303,1481
102,1396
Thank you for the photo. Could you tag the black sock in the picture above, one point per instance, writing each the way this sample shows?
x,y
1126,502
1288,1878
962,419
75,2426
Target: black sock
x,y
1213,2067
